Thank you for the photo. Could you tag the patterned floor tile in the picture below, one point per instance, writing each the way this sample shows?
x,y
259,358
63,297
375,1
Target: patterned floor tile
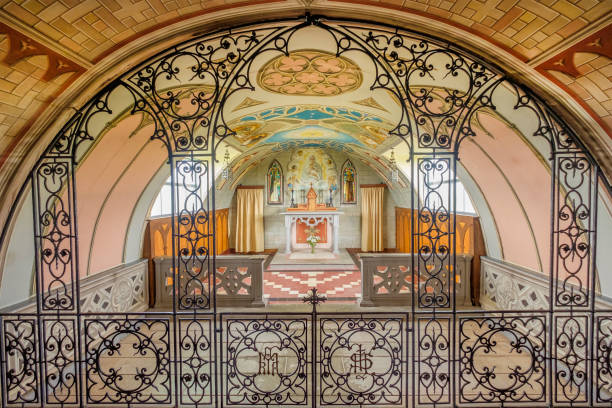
x,y
291,286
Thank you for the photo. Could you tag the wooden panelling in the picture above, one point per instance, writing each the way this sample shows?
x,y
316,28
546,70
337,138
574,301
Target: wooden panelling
x,y
158,242
469,236
160,232
464,231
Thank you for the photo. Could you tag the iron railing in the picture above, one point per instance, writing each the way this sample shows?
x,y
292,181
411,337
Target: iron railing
x,y
427,354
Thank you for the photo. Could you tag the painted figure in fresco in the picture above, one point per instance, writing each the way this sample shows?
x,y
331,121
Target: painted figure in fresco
x,y
275,183
308,166
348,180
313,170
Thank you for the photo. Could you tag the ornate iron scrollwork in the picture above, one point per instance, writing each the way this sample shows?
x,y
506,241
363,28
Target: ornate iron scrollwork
x,y
570,358
518,374
128,361
196,368
20,362
266,362
603,355
193,232
434,360
266,358
361,361
435,234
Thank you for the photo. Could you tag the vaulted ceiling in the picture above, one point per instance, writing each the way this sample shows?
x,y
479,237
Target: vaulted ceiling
x,y
55,54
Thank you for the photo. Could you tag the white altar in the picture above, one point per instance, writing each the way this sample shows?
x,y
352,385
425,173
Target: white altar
x,y
311,219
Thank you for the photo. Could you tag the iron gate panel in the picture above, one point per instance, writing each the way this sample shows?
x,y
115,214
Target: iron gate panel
x,y
266,360
427,354
128,360
520,374
432,364
196,363
20,368
603,362
362,360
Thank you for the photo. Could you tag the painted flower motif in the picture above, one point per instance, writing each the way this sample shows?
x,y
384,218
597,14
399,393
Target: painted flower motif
x,y
309,77
277,79
310,72
325,89
297,88
292,64
330,65
342,80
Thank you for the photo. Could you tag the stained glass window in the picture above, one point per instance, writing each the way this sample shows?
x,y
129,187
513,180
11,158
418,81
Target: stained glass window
x,y
349,183
275,183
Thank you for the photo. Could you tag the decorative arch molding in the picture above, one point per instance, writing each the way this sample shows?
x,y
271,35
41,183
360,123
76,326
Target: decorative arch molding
x,y
182,132
129,52
433,133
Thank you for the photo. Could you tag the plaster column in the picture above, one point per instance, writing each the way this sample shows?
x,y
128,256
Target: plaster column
x,y
336,225
288,234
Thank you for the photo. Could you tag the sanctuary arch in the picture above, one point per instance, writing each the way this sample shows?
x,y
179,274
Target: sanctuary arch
x,y
434,104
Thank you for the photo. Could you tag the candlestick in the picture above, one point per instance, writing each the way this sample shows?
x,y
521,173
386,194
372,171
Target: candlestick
x,y
292,205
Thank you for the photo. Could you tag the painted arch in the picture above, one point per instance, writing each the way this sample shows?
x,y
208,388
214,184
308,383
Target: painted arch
x,y
435,113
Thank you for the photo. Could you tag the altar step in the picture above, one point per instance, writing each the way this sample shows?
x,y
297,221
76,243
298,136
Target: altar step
x,y
290,286
311,267
305,260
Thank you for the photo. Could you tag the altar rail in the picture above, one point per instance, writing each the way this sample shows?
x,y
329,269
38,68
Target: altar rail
x,y
239,280
387,279
117,290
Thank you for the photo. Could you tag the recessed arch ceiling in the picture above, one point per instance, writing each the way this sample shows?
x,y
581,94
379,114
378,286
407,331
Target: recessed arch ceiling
x,y
103,38
309,124
312,105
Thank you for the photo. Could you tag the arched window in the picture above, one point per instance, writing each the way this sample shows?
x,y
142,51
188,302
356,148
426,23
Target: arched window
x,y
162,206
349,183
274,183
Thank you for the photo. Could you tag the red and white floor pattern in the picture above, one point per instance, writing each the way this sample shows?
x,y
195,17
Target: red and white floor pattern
x,y
291,286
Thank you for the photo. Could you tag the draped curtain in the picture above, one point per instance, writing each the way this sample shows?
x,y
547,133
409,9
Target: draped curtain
x,y
249,220
372,218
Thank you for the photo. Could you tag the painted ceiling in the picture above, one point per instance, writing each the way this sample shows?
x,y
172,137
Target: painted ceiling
x,y
311,124
71,46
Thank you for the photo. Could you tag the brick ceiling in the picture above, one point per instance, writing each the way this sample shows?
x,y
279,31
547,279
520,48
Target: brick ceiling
x,y
46,45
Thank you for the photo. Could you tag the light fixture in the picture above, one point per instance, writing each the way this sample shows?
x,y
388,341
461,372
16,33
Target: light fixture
x,y
394,169
227,170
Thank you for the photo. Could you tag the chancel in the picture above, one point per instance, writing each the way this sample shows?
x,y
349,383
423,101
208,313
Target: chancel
x,y
316,203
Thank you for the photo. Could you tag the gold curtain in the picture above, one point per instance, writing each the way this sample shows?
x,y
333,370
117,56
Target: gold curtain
x,y
372,218
249,220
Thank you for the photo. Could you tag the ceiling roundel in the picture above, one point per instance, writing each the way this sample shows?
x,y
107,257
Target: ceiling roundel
x,y
310,73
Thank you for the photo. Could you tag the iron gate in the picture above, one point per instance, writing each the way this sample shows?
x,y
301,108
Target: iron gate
x,y
430,354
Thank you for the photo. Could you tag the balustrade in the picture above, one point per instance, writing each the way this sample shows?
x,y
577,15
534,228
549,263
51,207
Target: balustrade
x,y
387,279
239,280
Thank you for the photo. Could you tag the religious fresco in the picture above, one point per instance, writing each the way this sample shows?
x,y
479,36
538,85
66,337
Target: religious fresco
x,y
274,183
349,183
311,122
310,73
318,144
311,167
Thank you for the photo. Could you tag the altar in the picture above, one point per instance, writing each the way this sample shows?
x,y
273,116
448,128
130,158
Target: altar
x,y
311,219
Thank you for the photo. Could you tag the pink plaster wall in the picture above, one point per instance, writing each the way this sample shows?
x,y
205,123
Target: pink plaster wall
x,y
530,179
109,239
96,176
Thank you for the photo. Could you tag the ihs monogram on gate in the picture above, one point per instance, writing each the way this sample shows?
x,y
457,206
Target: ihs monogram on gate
x,y
268,362
361,362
